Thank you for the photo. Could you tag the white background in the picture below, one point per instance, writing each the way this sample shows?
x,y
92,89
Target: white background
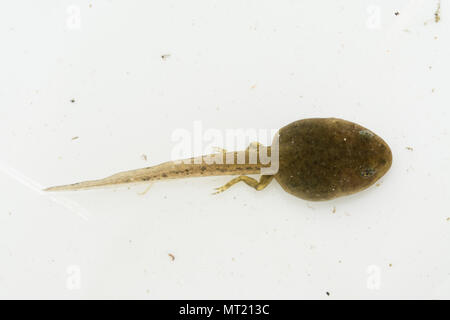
x,y
232,64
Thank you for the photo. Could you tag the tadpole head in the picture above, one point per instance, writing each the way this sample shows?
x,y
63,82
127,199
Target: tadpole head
x,y
325,158
375,156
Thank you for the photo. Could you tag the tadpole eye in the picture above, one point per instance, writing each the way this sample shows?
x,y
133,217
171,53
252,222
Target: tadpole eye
x,y
366,134
368,172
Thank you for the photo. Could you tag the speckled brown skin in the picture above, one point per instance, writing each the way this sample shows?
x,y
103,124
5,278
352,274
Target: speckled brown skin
x,y
322,159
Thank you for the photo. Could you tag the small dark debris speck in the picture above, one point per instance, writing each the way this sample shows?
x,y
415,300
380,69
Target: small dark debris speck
x,y
397,13
328,294
72,100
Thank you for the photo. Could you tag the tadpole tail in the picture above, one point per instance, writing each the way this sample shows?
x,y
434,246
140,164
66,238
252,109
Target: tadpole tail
x,y
90,184
125,177
192,167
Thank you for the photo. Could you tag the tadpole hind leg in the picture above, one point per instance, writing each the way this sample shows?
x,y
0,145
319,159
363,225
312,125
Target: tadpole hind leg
x,y
257,185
